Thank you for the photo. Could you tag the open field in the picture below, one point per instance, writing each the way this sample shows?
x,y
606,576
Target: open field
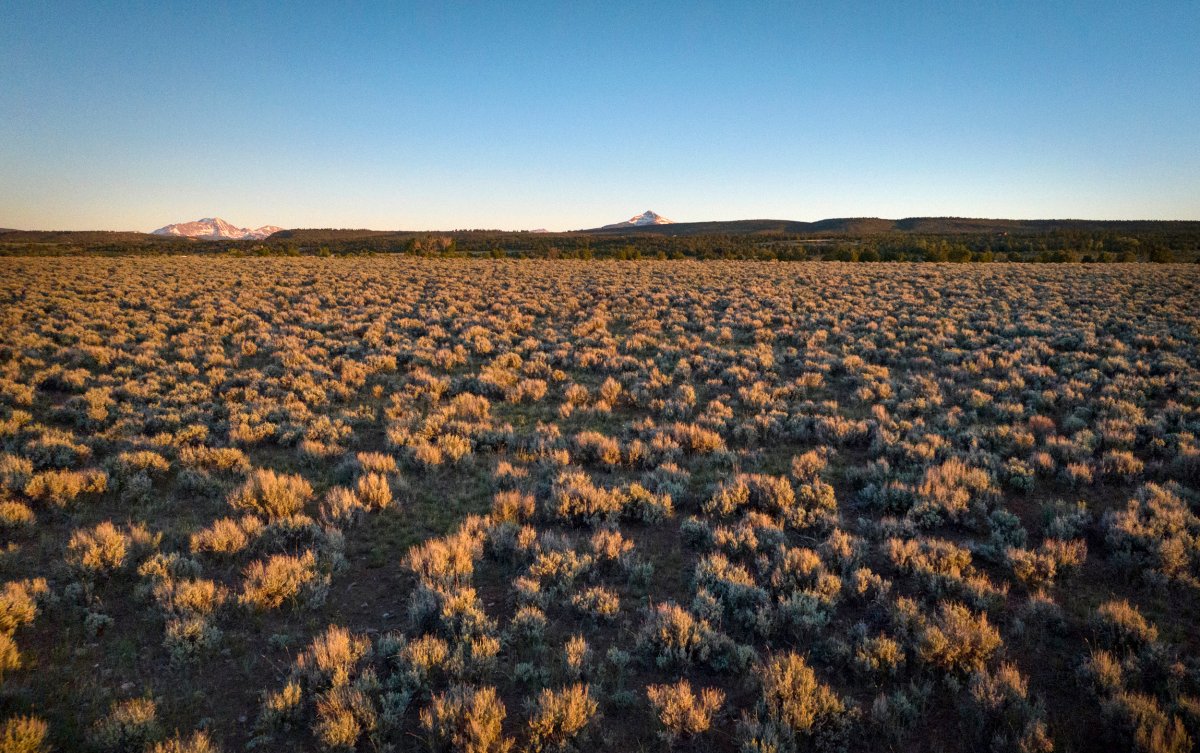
x,y
402,504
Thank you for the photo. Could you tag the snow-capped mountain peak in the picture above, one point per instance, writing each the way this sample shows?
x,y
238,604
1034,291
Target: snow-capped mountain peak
x,y
215,229
645,218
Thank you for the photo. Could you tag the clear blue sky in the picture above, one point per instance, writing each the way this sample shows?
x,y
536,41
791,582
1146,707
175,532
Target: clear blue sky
x,y
573,114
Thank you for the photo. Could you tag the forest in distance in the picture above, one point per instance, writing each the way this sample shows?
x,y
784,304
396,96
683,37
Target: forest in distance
x,y
916,240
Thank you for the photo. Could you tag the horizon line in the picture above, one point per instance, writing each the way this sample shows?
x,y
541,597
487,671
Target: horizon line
x,y
598,227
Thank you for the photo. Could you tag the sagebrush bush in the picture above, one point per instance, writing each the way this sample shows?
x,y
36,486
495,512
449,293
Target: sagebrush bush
x,y
24,734
269,583
446,562
343,715
512,506
332,656
951,490
376,462
682,713
595,448
1102,673
958,641
793,698
1143,725
575,498
63,487
1119,625
15,471
10,655
226,535
1005,718
19,603
102,549
597,602
1157,534
197,742
466,718
559,718
272,495
673,636
341,505
374,490
129,725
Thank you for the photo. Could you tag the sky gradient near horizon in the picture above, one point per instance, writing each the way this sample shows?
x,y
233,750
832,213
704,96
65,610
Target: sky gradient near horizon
x,y
130,116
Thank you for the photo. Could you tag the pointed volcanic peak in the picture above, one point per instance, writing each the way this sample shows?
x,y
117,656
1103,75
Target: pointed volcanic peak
x,y
645,218
216,229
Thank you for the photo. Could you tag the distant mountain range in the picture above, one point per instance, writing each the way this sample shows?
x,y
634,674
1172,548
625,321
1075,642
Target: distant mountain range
x,y
647,223
862,226
216,229
640,220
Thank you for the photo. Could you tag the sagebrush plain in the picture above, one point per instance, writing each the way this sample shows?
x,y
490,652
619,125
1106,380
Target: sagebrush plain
x,y
480,505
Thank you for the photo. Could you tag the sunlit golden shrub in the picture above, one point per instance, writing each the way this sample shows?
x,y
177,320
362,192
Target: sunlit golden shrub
x,y
271,582
24,734
101,549
272,495
682,713
559,717
466,719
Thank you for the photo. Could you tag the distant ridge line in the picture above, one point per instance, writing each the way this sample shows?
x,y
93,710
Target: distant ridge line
x,y
842,226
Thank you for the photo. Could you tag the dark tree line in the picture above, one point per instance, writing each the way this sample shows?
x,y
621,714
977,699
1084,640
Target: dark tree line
x,y
1145,242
